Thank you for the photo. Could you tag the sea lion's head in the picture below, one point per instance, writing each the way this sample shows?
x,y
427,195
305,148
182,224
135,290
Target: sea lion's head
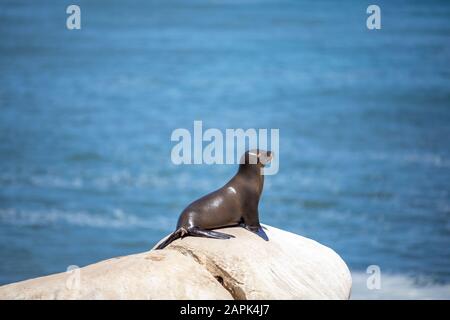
x,y
256,157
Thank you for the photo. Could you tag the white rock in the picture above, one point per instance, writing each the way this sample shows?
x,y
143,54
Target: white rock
x,y
164,274
246,267
286,267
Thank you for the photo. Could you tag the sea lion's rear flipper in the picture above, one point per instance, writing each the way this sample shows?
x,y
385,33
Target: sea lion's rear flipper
x,y
255,229
197,232
179,233
260,232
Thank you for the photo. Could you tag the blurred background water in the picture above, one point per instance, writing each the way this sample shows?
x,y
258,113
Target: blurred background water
x,y
86,118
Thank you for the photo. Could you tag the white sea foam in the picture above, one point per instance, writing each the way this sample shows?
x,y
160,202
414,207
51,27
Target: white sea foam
x,y
115,179
115,219
396,286
431,159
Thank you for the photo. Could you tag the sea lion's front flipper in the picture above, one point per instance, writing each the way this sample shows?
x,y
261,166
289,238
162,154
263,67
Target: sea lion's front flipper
x,y
197,232
255,229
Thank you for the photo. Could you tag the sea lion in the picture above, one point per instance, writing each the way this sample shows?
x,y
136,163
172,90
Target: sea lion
x,y
235,204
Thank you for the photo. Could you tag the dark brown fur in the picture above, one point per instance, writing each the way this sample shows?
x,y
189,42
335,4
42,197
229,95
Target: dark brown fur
x,y
235,204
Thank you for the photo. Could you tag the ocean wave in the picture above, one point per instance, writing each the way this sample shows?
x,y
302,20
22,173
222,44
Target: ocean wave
x,y
397,286
430,159
115,219
122,178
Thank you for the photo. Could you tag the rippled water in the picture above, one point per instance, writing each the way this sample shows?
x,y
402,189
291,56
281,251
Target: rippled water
x,y
86,118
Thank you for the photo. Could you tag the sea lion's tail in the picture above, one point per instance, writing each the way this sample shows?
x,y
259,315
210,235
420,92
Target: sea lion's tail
x,y
179,233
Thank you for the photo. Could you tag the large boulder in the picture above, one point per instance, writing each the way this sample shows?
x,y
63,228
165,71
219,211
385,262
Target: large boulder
x,y
245,267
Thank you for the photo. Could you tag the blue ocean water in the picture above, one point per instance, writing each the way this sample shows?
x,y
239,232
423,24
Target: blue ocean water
x,y
86,118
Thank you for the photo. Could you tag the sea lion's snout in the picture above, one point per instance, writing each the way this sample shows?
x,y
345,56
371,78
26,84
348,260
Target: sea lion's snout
x,y
265,157
256,157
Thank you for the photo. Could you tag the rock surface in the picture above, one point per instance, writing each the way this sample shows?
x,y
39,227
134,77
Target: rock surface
x,y
246,267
